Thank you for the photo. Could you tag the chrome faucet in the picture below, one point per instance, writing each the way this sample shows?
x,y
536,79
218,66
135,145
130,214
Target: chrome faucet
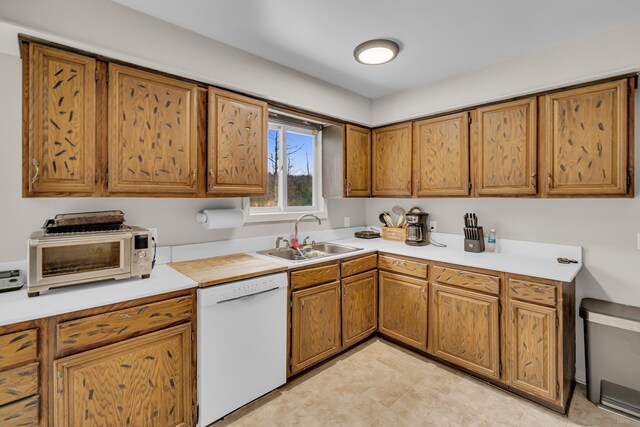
x,y
295,228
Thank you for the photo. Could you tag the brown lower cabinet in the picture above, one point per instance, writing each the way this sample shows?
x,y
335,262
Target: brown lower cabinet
x,y
315,325
359,307
403,309
140,381
130,363
465,328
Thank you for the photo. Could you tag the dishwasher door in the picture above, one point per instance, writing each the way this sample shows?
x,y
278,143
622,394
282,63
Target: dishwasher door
x,y
242,343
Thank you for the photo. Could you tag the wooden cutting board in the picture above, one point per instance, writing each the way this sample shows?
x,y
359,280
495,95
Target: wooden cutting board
x,y
224,269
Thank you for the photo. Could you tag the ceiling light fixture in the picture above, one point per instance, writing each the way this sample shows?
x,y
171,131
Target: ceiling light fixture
x,y
375,52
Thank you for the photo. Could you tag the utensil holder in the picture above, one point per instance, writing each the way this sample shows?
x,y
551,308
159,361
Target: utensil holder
x,y
473,245
394,233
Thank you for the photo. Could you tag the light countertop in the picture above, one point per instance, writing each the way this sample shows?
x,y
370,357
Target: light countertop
x,y
526,258
16,306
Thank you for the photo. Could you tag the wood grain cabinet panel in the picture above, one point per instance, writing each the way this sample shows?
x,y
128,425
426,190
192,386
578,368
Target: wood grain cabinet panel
x,y
315,325
466,279
586,140
153,144
359,265
403,266
441,156
141,381
532,348
392,164
506,149
121,324
538,293
403,309
25,412
310,276
237,146
18,383
357,168
359,307
18,347
465,329
62,98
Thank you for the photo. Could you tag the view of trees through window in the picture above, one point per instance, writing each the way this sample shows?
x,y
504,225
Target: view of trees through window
x,y
295,186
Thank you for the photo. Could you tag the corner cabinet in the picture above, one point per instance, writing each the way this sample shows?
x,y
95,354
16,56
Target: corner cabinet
x,y
357,155
441,156
391,161
506,149
153,143
586,140
141,381
61,153
237,145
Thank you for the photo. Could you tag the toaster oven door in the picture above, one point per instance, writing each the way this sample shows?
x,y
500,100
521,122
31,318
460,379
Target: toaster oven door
x,y
79,259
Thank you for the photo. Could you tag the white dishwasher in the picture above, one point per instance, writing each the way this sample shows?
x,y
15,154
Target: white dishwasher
x,y
242,343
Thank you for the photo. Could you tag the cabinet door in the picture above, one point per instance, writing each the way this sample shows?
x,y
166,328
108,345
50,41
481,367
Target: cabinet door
x,y
62,98
152,133
140,381
237,150
357,157
585,133
465,329
359,307
532,348
392,151
506,149
441,157
403,309
315,325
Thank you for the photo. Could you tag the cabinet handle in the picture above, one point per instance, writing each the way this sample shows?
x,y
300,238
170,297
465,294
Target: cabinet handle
x,y
417,183
348,188
409,185
549,180
193,176
424,293
37,174
533,180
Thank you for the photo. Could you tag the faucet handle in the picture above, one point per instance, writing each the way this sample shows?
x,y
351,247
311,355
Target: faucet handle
x,y
305,242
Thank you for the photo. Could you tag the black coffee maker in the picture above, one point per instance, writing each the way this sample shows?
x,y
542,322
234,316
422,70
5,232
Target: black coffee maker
x,y
417,227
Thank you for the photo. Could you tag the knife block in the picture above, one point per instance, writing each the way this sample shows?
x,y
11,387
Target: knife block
x,y
472,245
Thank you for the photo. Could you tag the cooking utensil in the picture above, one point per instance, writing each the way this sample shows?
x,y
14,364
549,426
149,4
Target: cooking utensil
x,y
567,261
381,218
398,210
387,219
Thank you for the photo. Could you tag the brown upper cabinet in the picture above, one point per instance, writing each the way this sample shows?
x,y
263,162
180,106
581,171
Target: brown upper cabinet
x,y
392,151
152,133
586,140
237,145
357,168
506,149
441,156
61,149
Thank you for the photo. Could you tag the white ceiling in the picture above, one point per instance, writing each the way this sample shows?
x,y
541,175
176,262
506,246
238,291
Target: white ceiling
x,y
437,38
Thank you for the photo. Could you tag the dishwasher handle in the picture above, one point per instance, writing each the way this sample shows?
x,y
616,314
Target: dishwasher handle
x,y
247,296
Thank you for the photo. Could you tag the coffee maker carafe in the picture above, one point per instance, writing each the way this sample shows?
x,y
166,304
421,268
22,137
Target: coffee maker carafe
x,y
417,229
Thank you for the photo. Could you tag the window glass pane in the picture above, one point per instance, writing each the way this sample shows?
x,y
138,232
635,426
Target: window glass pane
x,y
273,164
299,169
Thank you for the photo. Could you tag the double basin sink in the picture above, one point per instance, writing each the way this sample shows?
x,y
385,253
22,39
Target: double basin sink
x,y
317,250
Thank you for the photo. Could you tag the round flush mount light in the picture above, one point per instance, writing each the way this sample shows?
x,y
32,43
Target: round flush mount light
x,y
375,52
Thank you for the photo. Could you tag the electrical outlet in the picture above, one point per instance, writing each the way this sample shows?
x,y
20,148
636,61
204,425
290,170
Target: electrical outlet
x,y
347,221
154,233
638,239
433,226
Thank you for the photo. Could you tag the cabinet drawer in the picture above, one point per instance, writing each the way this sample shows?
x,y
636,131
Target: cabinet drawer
x,y
538,293
467,279
399,265
121,324
18,383
359,265
18,347
301,279
24,412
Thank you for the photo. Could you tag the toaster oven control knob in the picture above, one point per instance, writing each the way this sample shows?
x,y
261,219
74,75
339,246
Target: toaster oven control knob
x,y
142,254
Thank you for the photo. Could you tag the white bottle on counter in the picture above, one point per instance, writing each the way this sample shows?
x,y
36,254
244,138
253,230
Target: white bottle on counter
x,y
491,241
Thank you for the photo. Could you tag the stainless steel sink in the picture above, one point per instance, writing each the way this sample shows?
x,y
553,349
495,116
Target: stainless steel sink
x,y
333,248
318,250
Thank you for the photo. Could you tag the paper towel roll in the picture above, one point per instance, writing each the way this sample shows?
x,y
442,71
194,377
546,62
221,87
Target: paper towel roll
x,y
221,218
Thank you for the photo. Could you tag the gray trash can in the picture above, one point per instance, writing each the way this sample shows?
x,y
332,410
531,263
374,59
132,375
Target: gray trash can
x,y
612,347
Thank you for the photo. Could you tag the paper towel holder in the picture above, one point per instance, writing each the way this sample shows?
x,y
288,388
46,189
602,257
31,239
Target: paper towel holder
x,y
221,218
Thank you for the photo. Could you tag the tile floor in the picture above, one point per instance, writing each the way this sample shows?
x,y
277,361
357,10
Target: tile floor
x,y
380,384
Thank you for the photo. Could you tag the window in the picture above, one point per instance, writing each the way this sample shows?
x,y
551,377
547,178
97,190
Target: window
x,y
294,169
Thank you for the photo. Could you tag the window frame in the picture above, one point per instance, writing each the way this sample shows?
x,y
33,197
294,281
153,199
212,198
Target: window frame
x,y
283,212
